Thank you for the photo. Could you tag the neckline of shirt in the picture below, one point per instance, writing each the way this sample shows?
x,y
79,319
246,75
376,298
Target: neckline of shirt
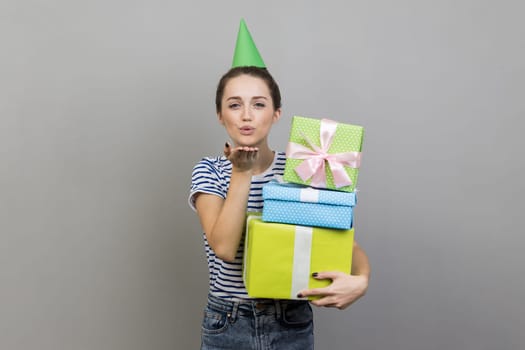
x,y
268,170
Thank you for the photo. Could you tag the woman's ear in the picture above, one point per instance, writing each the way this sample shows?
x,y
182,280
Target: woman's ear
x,y
276,115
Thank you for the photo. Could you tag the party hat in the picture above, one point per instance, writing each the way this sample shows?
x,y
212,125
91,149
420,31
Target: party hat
x,y
246,53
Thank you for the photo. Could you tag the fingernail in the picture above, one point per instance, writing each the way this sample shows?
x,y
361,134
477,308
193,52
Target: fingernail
x,y
226,144
314,274
299,295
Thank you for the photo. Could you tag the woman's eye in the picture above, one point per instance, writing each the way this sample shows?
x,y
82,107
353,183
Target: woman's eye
x,y
234,105
260,105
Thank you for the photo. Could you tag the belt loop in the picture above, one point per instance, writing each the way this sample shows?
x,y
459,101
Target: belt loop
x,y
234,312
278,311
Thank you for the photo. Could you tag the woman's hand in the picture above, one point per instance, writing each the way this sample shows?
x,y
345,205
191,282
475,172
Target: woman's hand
x,y
242,158
341,293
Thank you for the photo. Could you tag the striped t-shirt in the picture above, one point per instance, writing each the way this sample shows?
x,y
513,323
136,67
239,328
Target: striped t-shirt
x,y
212,176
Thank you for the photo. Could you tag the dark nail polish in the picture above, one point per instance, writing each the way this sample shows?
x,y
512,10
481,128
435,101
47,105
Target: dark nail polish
x,y
299,295
314,274
226,144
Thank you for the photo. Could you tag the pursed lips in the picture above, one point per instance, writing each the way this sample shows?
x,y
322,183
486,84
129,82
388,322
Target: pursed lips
x,y
246,130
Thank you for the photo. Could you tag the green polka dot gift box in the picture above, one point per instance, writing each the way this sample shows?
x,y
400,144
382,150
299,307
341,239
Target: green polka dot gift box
x,y
323,153
304,205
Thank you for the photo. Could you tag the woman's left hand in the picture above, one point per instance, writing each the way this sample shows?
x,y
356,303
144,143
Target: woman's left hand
x,y
341,293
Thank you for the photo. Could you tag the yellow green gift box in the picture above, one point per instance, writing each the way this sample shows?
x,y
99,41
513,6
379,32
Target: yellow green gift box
x,y
279,259
323,153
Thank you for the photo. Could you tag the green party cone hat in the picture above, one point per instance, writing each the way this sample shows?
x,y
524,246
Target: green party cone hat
x,y
246,53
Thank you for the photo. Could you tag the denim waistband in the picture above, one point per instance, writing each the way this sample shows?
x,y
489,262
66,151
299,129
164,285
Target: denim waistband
x,y
251,307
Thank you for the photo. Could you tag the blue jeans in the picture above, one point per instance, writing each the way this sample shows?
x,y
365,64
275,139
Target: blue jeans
x,y
257,324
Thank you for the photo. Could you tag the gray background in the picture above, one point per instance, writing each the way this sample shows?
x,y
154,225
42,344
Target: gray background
x,y
106,105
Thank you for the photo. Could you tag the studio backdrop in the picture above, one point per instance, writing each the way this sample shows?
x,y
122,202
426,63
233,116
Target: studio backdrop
x,y
105,106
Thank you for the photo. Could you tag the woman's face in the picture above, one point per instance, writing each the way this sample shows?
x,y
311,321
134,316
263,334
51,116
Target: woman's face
x,y
247,111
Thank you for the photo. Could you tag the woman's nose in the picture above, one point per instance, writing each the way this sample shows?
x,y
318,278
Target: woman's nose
x,y
246,114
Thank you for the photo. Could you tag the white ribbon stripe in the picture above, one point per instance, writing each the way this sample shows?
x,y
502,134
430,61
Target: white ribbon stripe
x,y
301,259
309,195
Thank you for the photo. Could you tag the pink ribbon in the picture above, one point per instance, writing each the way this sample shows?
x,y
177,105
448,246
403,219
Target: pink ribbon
x,y
315,158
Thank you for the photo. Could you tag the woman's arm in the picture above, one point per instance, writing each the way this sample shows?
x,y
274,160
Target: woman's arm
x,y
345,289
223,219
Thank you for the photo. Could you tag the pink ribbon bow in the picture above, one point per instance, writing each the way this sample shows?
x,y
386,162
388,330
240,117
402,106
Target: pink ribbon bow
x,y
315,158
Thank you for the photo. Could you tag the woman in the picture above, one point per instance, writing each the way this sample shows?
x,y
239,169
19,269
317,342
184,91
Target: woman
x,y
248,104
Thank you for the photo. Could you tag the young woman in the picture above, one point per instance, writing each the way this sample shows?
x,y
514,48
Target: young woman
x,y
224,188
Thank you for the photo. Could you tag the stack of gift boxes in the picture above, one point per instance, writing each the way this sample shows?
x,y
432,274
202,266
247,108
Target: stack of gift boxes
x,y
307,220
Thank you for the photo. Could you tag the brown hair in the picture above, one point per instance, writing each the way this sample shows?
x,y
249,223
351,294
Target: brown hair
x,y
257,72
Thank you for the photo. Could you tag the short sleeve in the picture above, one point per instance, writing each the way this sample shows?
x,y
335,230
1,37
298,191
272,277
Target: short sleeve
x,y
207,178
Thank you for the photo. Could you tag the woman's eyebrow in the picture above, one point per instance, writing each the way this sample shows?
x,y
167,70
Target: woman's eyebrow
x,y
239,98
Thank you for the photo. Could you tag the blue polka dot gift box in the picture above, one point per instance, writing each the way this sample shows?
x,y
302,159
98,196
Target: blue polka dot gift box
x,y
295,204
323,153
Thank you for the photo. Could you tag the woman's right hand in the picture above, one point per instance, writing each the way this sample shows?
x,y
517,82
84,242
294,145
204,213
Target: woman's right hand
x,y
242,158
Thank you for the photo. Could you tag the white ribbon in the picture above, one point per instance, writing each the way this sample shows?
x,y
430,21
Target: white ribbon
x,y
309,195
301,259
